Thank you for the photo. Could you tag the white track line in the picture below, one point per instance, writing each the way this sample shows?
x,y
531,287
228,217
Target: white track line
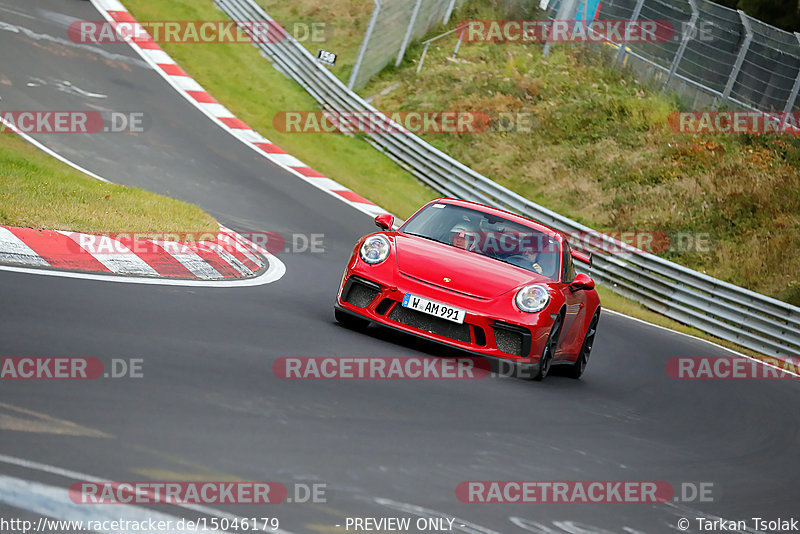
x,y
56,155
274,272
54,502
128,268
76,476
215,112
732,351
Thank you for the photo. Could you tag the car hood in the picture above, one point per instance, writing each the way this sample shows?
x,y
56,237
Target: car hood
x,y
469,272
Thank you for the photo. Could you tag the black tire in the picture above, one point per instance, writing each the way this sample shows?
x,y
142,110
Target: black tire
x,y
549,349
577,369
349,320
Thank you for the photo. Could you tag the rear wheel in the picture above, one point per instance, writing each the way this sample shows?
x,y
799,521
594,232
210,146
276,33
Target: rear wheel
x,y
549,349
577,369
349,320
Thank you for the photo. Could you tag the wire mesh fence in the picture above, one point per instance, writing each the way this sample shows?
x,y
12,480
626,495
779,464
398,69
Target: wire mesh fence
x,y
392,26
730,57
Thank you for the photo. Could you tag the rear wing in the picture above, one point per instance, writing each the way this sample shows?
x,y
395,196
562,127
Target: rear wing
x,y
583,257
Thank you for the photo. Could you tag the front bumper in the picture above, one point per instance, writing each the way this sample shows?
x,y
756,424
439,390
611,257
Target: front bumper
x,y
490,328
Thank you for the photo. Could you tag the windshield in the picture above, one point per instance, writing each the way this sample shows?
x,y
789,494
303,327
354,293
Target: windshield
x,y
488,235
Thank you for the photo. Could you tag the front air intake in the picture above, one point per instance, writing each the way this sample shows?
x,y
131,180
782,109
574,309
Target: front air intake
x,y
360,292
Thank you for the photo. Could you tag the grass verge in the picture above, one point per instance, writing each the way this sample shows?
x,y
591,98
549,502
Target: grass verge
x,y
38,191
246,83
345,22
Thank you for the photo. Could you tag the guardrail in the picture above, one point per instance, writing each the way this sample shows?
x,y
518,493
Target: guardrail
x,y
729,312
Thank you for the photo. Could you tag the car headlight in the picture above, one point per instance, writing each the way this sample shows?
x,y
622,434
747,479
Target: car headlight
x,y
533,298
375,249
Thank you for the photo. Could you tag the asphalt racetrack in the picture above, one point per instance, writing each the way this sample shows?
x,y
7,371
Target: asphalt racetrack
x,y
208,406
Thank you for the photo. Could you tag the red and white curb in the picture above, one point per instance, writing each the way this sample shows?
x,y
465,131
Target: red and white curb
x,y
227,257
152,53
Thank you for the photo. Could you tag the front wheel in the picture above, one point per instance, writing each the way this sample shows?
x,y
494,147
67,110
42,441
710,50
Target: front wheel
x,y
549,350
577,368
349,320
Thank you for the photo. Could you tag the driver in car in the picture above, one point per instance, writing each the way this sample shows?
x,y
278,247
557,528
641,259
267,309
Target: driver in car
x,y
462,240
528,257
462,237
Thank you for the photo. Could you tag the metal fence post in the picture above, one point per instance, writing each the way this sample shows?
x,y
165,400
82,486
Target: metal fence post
x,y
449,11
432,39
634,17
364,44
795,89
409,31
422,57
566,11
740,58
684,42
458,43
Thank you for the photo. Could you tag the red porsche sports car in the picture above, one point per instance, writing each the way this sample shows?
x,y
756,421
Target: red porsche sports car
x,y
479,279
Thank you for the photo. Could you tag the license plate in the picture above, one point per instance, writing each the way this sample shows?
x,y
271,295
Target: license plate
x,y
436,309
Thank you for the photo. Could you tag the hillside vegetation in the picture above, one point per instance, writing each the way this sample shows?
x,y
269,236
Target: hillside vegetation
x,y
600,150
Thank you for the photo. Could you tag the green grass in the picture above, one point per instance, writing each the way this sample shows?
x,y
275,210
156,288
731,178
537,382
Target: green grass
x,y
246,83
346,21
38,191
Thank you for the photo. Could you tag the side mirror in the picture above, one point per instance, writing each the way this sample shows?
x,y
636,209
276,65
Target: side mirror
x,y
582,281
385,221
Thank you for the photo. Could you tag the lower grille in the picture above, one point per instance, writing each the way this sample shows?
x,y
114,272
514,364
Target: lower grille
x,y
385,304
429,323
512,339
359,292
480,336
